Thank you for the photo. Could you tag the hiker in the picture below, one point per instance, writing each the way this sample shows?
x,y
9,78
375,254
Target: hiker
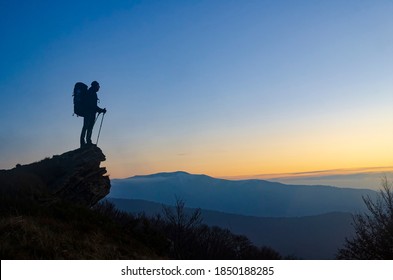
x,y
89,115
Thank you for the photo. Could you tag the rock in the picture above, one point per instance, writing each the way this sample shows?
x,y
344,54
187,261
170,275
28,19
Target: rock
x,y
75,176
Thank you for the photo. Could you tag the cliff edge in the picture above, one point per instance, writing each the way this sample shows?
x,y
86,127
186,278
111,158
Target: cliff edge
x,y
74,176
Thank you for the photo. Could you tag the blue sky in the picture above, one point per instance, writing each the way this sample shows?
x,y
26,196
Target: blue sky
x,y
225,88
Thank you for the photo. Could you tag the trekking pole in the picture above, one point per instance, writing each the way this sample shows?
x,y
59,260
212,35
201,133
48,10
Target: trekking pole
x,y
98,136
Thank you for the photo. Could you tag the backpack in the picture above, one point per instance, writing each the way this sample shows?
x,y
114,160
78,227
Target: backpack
x,y
80,93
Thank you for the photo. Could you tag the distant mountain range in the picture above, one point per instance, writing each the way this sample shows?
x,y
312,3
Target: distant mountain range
x,y
313,237
243,197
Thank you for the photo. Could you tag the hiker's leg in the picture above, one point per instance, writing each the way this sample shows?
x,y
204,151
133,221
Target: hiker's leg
x,y
83,133
90,125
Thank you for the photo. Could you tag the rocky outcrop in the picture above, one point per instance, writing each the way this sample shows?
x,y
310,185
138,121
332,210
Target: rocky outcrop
x,y
74,176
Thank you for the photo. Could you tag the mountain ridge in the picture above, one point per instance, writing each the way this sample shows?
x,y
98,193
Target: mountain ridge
x,y
173,174
252,197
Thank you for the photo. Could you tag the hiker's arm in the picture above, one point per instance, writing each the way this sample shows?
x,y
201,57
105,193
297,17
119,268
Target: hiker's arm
x,y
100,110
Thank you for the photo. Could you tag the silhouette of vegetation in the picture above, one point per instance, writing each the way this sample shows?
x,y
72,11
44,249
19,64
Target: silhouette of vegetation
x,y
191,239
374,230
30,229
181,228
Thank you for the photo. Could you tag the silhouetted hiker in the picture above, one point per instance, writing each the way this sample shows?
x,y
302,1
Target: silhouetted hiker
x,y
89,116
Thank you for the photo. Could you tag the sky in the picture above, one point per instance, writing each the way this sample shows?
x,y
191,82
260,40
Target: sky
x,y
224,88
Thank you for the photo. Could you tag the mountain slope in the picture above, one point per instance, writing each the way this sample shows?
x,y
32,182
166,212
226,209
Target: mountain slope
x,y
246,197
313,237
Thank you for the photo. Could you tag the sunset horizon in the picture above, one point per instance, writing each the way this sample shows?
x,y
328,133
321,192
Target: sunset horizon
x,y
224,88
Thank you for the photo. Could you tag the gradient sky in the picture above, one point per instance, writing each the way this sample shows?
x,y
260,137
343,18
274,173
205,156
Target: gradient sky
x,y
224,88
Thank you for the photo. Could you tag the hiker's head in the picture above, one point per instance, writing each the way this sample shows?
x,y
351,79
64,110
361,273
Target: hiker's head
x,y
95,85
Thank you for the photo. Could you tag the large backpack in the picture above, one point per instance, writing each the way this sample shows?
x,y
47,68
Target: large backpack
x,y
80,93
